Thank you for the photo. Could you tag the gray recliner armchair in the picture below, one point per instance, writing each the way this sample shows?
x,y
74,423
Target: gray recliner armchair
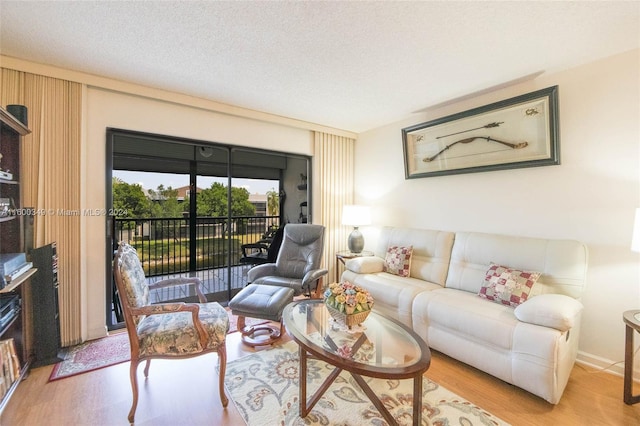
x,y
298,263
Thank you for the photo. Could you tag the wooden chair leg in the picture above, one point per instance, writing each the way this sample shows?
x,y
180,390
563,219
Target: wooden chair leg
x,y
241,323
146,368
222,355
134,387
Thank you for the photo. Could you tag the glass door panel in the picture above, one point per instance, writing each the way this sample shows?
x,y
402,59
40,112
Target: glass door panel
x,y
191,206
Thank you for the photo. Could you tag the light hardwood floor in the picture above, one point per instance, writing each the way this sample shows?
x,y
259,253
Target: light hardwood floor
x,y
185,393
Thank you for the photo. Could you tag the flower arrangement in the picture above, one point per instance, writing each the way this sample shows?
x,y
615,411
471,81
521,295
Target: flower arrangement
x,y
348,298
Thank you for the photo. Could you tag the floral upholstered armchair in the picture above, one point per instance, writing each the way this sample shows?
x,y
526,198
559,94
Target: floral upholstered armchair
x,y
166,330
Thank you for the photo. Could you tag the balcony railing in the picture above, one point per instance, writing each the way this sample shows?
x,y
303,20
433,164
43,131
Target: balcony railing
x,y
164,247
164,244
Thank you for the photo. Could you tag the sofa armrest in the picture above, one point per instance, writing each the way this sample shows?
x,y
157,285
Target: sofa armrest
x,y
550,310
365,265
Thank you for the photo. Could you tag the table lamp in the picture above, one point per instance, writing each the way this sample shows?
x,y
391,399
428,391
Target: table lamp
x,y
353,215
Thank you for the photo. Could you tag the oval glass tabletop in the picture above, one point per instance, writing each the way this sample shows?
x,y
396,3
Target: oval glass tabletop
x,y
379,344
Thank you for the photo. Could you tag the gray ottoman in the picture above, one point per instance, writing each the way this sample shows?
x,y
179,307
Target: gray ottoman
x,y
264,302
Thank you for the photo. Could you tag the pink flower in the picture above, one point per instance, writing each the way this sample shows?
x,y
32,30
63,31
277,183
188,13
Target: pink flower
x,y
345,351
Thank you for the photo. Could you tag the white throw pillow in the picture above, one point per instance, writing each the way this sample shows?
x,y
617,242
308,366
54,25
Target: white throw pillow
x,y
550,310
365,265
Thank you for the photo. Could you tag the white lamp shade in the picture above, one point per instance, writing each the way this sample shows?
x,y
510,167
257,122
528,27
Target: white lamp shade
x,y
354,215
635,239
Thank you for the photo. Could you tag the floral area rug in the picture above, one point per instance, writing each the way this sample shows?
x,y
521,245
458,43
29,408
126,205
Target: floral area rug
x,y
92,355
107,351
264,388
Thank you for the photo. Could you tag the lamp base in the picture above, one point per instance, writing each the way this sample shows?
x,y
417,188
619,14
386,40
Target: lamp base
x,y
356,241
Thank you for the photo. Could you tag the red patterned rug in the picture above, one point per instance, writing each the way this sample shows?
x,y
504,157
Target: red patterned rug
x,y
107,351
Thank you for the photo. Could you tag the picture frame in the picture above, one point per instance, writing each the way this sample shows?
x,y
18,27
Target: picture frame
x,y
513,133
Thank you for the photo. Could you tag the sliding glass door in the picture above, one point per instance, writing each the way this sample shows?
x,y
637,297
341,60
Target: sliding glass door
x,y
188,207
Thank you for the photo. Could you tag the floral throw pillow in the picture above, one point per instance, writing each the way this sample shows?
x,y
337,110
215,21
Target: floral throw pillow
x,y
398,260
507,286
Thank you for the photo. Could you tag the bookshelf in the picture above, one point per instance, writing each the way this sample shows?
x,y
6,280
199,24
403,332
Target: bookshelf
x,y
15,317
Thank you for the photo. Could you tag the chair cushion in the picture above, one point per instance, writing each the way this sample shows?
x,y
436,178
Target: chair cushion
x,y
274,280
301,250
133,276
174,334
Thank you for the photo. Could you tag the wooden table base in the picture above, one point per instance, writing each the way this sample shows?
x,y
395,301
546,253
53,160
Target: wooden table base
x,y
307,405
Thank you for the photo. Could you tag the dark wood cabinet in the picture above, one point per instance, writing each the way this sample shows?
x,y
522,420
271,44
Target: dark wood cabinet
x,y
15,295
11,131
46,314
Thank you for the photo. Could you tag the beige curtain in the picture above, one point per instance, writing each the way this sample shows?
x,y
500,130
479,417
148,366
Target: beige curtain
x,y
50,170
333,188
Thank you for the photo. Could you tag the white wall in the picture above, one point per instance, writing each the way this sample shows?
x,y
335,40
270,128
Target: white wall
x,y
106,108
590,197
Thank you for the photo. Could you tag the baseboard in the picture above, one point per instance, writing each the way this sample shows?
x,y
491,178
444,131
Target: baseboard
x,y
605,365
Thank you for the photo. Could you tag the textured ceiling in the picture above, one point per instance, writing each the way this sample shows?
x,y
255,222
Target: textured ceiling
x,y
348,65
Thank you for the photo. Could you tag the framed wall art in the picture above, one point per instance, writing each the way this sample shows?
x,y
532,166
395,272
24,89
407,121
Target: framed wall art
x,y
517,132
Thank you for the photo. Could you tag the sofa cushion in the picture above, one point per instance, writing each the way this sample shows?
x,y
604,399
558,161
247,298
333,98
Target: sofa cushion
x,y
398,260
464,314
507,286
392,295
562,263
431,250
365,264
550,310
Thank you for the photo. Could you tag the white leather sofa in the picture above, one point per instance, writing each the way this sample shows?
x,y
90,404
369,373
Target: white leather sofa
x,y
532,346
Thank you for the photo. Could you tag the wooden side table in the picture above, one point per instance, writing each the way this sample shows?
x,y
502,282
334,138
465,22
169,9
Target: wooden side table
x,y
343,256
632,322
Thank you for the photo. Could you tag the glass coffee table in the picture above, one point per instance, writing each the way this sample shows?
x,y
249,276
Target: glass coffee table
x,y
380,348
